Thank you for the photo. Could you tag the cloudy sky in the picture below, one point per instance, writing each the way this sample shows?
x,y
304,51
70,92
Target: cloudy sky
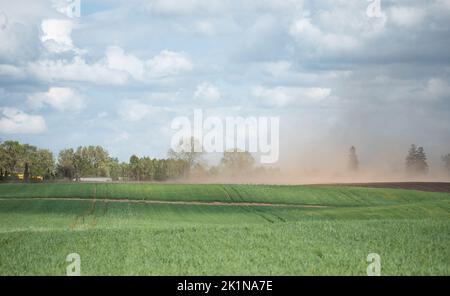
x,y
118,74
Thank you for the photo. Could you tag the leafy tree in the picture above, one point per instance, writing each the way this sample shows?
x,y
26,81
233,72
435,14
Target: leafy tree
x,y
115,170
135,168
24,158
176,168
65,165
92,161
353,163
237,161
161,170
27,159
188,153
147,168
12,156
2,162
43,163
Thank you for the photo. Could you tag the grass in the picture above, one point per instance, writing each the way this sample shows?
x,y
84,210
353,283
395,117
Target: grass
x,y
306,195
409,229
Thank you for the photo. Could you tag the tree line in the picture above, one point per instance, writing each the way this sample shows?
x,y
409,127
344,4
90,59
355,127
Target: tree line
x,y
415,164
27,162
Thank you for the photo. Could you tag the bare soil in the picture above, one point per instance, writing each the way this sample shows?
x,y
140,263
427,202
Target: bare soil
x,y
421,186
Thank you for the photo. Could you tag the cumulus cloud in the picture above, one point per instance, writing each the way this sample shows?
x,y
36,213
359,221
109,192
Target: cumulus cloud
x,y
207,92
406,16
60,98
305,32
18,42
445,4
117,59
282,96
3,20
437,88
169,63
133,111
11,72
56,35
75,70
117,67
185,7
277,68
15,121
205,27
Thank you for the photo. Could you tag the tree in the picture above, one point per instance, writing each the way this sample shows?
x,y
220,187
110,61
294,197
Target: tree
x,y
92,161
65,165
161,170
446,160
135,168
353,163
27,160
12,156
188,151
416,161
43,163
147,168
2,162
24,158
115,170
237,161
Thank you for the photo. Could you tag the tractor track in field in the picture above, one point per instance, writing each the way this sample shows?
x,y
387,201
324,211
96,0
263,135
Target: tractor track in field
x,y
256,210
80,219
164,202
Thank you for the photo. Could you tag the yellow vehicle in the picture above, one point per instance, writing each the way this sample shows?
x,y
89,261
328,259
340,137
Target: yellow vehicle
x,y
34,178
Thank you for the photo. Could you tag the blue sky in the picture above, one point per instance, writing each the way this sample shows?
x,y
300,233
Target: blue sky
x,y
117,75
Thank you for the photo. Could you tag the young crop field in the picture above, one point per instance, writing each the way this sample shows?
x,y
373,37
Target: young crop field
x,y
180,229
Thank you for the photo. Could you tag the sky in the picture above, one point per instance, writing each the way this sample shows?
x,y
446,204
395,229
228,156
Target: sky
x,y
118,73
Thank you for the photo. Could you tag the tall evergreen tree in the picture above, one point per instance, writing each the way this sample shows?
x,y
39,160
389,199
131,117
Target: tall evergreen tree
x,y
421,159
353,163
446,160
416,161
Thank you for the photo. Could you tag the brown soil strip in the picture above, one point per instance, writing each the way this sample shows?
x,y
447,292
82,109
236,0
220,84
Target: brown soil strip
x,y
194,203
421,186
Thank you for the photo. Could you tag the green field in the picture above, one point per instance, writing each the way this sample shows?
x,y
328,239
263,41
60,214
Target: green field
x,y
41,223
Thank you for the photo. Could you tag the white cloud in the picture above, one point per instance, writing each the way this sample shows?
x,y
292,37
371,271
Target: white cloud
x,y
3,20
123,136
14,121
60,98
118,60
18,42
407,16
56,35
186,7
208,92
284,96
169,63
277,68
205,27
134,111
116,68
76,70
437,88
305,32
10,71
445,4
